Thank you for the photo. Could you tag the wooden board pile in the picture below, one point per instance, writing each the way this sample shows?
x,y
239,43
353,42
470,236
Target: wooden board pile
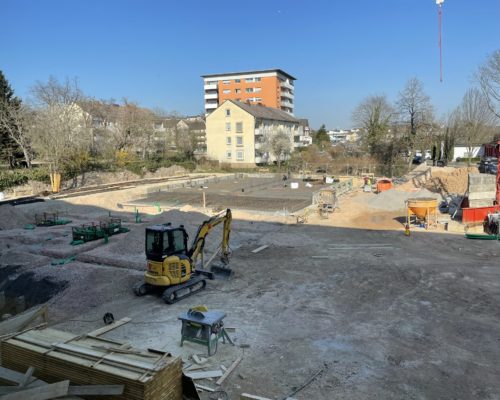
x,y
90,360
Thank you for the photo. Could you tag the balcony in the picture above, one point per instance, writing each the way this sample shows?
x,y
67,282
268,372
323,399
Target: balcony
x,y
210,86
286,85
286,103
211,106
211,96
286,93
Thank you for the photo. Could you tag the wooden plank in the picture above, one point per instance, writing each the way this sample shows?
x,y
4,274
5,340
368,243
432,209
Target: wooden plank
x,y
112,349
230,369
260,248
204,374
109,327
202,387
96,390
246,396
96,354
26,377
46,392
22,321
199,360
10,375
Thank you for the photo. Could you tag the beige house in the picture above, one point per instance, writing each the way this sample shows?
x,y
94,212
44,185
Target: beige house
x,y
239,134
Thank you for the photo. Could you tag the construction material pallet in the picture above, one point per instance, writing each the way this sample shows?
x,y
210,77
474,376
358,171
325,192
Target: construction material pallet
x,y
90,360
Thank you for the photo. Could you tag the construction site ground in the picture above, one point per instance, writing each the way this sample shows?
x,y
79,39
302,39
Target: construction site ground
x,y
385,316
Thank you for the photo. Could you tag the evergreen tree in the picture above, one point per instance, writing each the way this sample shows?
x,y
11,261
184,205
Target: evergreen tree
x,y
9,150
320,137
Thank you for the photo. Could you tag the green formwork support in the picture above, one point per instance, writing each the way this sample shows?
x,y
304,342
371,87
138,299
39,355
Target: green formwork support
x,y
88,233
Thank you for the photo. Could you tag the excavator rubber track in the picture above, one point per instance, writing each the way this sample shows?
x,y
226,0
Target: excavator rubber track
x,y
142,288
178,292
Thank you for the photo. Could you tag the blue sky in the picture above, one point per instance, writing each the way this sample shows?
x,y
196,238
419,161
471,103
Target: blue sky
x,y
154,52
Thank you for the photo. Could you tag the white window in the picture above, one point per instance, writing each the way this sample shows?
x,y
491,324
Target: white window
x,y
228,140
228,112
228,154
226,91
258,99
228,126
239,140
239,155
237,90
249,90
257,79
239,127
257,89
237,80
226,82
249,79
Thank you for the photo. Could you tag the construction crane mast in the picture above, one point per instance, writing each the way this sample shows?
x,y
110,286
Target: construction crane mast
x,y
440,25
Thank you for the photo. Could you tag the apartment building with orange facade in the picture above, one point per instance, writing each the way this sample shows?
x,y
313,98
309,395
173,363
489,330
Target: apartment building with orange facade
x,y
271,88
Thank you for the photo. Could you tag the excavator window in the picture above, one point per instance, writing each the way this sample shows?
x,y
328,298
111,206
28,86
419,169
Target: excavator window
x,y
161,244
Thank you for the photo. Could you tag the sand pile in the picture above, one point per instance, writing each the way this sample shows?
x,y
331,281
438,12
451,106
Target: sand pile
x,y
394,200
11,218
449,180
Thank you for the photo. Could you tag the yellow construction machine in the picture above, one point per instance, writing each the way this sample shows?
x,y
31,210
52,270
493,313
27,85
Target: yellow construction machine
x,y
174,268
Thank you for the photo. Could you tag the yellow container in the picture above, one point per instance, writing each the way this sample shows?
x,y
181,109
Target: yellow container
x,y
422,207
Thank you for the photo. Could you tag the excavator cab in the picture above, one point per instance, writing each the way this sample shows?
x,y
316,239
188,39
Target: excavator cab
x,y
163,241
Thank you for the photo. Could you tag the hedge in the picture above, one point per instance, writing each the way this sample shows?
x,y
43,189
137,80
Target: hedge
x,y
19,177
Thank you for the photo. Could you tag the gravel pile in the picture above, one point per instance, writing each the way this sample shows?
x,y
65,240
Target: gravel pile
x,y
12,218
394,200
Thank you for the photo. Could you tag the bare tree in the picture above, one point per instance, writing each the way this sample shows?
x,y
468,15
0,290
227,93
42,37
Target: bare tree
x,y
16,120
60,131
416,112
489,81
129,126
474,119
280,145
374,114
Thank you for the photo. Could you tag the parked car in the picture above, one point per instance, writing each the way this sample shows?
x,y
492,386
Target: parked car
x,y
487,165
417,160
492,169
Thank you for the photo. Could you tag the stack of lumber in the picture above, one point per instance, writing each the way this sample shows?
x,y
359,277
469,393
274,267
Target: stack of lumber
x,y
90,360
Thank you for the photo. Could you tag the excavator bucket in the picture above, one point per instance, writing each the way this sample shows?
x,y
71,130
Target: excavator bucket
x,y
221,271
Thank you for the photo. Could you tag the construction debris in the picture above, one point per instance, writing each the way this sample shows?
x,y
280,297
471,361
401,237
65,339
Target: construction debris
x,y
229,370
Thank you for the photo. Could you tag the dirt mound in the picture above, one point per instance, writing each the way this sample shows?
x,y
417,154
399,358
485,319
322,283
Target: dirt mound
x,y
12,218
444,181
449,180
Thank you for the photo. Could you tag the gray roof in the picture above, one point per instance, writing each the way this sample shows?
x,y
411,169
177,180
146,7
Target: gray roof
x,y
264,112
195,125
252,72
304,122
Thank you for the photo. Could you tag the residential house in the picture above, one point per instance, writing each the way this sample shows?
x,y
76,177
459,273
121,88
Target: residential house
x,y
239,134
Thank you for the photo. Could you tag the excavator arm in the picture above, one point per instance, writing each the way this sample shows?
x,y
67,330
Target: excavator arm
x,y
196,251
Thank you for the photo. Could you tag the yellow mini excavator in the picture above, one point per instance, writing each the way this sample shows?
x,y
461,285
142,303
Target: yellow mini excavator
x,y
177,270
